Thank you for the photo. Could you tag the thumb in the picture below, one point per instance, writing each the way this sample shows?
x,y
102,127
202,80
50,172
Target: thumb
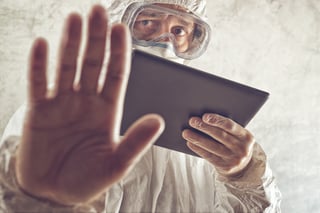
x,y
138,138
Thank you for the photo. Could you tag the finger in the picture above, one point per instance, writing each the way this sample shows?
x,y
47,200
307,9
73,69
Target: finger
x,y
138,138
212,158
205,143
95,50
228,125
37,71
115,85
224,167
215,132
69,54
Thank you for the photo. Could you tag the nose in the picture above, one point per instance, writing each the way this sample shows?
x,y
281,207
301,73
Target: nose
x,y
164,39
164,27
165,30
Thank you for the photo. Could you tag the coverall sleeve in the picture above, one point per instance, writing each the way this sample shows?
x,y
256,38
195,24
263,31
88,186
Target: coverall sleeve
x,y
254,191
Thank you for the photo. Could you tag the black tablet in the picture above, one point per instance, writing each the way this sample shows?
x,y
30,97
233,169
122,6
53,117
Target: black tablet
x,y
177,92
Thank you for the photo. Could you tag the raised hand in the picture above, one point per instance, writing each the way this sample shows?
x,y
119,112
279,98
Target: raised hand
x,y
70,151
228,146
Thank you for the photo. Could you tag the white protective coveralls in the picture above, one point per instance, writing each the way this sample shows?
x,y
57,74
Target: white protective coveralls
x,y
162,181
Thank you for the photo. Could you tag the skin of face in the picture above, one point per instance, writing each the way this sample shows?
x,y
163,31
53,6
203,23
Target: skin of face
x,y
151,24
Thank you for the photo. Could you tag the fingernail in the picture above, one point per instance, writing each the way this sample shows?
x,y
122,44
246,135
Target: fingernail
x,y
186,135
207,117
195,122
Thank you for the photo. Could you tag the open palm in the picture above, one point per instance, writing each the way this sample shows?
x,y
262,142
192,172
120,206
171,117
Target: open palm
x,y
71,151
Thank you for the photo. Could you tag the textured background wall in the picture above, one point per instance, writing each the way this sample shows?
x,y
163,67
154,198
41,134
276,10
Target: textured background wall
x,y
270,44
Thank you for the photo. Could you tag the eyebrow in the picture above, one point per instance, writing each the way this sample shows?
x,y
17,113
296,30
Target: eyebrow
x,y
185,23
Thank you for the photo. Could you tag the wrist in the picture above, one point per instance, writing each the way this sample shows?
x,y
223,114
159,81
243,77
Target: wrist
x,y
252,174
236,174
50,201
32,189
238,171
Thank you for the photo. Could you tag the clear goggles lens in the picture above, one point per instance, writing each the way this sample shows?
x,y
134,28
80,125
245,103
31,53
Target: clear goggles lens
x,y
151,23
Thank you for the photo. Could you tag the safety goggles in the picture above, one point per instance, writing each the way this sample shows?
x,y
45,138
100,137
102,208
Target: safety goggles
x,y
150,23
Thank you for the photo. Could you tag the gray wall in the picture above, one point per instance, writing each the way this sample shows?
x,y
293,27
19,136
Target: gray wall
x,y
270,44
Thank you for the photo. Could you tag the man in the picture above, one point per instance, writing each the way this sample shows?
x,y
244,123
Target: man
x,y
70,156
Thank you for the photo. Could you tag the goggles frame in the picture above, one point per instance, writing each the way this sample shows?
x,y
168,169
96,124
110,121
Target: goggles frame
x,y
201,31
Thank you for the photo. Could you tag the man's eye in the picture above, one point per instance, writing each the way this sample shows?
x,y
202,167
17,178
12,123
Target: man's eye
x,y
179,31
146,22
